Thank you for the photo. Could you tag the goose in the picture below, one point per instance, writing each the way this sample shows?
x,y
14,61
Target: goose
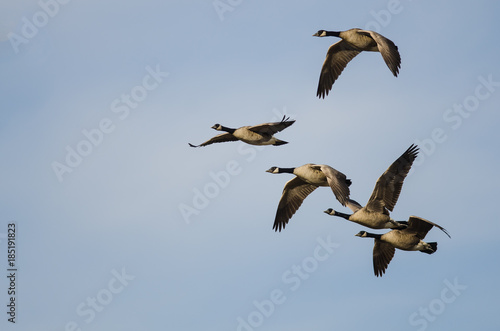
x,y
353,42
261,134
375,214
308,178
409,239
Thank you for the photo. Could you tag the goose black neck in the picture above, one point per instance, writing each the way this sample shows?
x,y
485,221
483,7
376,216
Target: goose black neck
x,y
339,214
226,129
332,33
287,170
373,235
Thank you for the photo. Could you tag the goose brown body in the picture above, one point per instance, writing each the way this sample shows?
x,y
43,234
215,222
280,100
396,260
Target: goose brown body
x,y
354,41
376,213
262,134
308,178
408,239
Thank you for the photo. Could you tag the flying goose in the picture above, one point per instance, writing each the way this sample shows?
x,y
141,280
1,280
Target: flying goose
x,y
308,178
261,134
375,214
409,239
353,42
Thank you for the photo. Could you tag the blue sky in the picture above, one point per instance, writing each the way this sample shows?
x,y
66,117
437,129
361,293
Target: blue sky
x,y
99,102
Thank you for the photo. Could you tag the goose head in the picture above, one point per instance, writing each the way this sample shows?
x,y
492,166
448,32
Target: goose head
x,y
324,33
273,170
329,211
362,234
320,33
217,127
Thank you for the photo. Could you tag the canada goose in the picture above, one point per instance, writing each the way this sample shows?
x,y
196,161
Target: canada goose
x,y
353,42
308,178
409,239
375,214
261,134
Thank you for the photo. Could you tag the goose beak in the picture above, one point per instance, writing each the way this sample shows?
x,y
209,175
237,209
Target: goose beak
x,y
270,170
316,35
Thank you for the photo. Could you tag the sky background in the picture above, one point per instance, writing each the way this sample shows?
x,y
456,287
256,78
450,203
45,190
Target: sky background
x,y
142,232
